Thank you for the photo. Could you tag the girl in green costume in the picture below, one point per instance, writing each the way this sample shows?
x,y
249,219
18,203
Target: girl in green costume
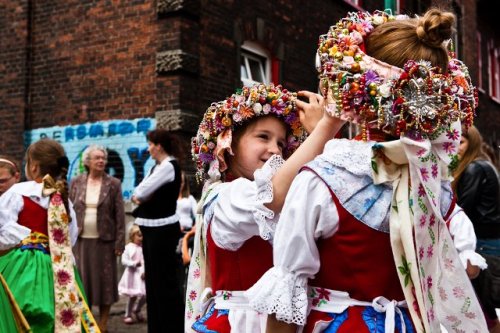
x,y
38,225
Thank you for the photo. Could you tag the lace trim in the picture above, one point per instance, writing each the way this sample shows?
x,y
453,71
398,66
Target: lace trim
x,y
353,156
281,293
264,217
11,234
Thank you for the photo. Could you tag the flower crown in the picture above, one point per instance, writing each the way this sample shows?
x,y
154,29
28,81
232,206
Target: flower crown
x,y
417,100
222,118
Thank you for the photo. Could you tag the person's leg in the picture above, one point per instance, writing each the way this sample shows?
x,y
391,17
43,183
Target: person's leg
x,y
162,286
103,317
130,306
138,307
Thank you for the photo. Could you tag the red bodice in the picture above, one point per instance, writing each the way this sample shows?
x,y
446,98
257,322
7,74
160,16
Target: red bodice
x,y
33,216
240,269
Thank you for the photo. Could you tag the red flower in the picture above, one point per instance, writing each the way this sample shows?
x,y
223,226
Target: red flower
x,y
63,277
56,199
67,317
58,235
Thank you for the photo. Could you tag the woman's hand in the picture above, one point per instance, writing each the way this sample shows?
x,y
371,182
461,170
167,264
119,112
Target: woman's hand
x,y
310,113
135,200
472,270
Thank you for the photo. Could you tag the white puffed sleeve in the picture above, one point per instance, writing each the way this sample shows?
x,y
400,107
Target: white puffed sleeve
x,y
308,214
73,227
464,238
11,233
239,211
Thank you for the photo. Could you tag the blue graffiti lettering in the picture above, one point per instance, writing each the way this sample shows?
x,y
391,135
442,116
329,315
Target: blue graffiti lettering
x,y
81,132
143,125
125,128
96,130
69,134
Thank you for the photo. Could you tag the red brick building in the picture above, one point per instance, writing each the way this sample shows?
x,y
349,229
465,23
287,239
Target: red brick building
x,y
74,64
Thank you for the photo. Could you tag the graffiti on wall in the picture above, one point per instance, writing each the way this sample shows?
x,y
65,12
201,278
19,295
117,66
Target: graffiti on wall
x,y
125,141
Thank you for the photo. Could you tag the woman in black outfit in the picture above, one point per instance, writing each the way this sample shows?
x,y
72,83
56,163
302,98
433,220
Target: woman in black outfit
x,y
157,196
476,185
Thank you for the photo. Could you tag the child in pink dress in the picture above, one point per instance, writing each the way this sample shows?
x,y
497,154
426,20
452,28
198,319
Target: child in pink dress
x,y
132,282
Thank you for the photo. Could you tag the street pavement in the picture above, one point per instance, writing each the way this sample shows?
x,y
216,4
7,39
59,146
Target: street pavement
x,y
116,324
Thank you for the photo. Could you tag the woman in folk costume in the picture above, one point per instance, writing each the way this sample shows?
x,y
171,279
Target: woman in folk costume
x,y
37,231
239,150
362,244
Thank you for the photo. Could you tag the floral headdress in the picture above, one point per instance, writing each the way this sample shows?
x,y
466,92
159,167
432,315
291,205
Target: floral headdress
x,y
424,107
416,100
222,118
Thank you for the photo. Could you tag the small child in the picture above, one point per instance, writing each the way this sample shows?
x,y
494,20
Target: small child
x,y
132,282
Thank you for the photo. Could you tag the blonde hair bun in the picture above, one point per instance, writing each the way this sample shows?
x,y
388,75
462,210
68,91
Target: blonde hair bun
x,y
435,27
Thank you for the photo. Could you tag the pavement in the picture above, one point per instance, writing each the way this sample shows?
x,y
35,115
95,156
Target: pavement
x,y
116,324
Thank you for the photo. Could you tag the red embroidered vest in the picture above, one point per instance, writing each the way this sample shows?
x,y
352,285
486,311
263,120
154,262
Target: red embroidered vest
x,y
33,216
358,259
240,269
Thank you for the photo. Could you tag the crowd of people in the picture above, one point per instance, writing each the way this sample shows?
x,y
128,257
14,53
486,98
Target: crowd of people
x,y
297,228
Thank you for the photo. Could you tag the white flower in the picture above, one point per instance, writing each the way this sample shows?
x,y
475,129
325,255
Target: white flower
x,y
257,108
385,90
356,36
267,108
377,20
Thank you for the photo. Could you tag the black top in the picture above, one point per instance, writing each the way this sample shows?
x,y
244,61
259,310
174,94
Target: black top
x,y
163,202
478,195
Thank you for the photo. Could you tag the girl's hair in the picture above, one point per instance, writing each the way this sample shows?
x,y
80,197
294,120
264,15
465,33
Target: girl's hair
x,y
8,164
420,38
89,150
51,159
185,190
168,141
134,229
474,152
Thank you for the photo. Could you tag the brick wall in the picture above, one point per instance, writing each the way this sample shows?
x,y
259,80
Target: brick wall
x,y
13,57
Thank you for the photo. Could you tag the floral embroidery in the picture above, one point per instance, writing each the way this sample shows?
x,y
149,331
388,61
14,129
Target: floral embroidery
x,y
71,310
319,296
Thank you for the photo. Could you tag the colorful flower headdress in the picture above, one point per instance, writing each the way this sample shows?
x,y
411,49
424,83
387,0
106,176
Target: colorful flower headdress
x,y
417,100
221,118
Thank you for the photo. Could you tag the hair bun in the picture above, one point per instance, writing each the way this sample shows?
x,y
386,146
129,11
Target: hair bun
x,y
63,162
435,27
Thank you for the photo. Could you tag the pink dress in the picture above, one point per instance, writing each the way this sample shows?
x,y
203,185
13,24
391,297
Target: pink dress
x,y
131,284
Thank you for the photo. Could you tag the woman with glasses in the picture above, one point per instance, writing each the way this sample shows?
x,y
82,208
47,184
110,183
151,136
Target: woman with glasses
x,y
98,203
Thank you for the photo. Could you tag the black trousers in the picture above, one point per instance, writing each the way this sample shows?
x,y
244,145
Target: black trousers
x,y
165,304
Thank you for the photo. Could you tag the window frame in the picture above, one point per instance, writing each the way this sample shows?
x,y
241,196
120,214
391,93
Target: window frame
x,y
253,51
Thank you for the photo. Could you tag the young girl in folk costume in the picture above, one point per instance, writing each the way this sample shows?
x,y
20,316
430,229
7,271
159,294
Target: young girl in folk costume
x,y
38,227
132,282
362,245
240,147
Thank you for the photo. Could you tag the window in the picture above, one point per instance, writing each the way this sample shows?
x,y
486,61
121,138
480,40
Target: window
x,y
493,60
255,64
479,62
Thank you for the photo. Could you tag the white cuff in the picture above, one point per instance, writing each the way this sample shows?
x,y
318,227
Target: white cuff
x,y
265,217
281,293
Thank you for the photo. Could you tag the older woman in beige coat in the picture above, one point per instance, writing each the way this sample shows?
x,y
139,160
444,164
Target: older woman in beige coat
x,y
98,203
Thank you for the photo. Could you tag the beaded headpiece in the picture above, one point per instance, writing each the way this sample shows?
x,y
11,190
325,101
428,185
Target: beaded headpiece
x,y
417,100
214,134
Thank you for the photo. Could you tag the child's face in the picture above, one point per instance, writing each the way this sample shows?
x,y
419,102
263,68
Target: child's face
x,y
138,238
261,140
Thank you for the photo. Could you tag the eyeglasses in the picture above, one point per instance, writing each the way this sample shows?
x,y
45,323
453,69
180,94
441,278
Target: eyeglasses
x,y
97,158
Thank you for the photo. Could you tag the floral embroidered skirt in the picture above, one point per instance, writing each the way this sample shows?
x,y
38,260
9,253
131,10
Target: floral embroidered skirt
x,y
28,274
